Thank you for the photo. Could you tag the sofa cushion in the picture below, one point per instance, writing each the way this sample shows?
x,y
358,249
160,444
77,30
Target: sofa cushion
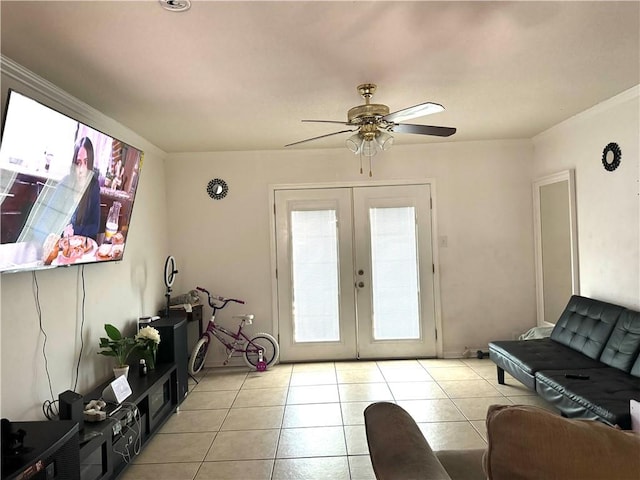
x,y
527,442
635,369
621,350
523,358
603,396
585,325
397,448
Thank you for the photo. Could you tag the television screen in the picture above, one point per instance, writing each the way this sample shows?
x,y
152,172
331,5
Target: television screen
x,y
66,189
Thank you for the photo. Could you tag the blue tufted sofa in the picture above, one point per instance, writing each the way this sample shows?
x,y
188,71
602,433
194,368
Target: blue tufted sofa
x,y
588,368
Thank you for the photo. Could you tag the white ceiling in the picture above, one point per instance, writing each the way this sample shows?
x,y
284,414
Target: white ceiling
x,y
241,75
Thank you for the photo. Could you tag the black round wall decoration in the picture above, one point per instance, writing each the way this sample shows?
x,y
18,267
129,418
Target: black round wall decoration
x,y
217,189
611,156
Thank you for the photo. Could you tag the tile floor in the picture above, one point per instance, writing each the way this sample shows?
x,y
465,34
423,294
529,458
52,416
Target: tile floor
x,y
305,421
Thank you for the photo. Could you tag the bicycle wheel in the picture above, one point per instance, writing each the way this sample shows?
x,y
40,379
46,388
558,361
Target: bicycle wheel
x,y
198,355
268,345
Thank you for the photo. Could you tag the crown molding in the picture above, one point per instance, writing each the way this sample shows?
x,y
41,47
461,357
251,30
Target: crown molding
x,y
49,91
628,95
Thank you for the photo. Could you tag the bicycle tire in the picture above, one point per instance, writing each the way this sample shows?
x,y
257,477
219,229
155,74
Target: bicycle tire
x,y
271,350
198,355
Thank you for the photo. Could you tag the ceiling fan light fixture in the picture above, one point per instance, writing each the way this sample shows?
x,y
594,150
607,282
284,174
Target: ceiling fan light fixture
x,y
354,142
384,141
369,148
176,5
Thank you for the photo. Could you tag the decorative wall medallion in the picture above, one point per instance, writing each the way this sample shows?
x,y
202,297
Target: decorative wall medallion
x,y
217,189
611,156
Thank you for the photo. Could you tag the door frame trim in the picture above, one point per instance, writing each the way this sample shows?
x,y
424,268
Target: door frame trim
x,y
272,188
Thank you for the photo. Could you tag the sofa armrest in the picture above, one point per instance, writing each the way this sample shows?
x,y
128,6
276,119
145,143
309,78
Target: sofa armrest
x,y
397,448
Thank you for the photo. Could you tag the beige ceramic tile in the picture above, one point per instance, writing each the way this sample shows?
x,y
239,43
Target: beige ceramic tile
x,y
453,373
234,470
360,392
261,397
227,381
195,421
353,412
267,381
254,418
439,410
176,447
320,377
481,428
476,362
314,367
391,364
406,374
356,365
329,468
468,388
209,400
511,387
441,362
360,468
278,369
486,371
416,390
534,401
313,394
356,440
362,375
476,408
311,442
174,471
452,436
244,445
312,415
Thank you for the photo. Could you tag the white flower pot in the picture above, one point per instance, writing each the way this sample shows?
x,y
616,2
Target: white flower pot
x,y
119,371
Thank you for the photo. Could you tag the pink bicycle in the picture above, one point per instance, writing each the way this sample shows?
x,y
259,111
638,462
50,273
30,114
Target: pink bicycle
x,y
260,351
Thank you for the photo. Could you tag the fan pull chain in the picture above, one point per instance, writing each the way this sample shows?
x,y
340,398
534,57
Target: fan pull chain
x,y
360,163
370,174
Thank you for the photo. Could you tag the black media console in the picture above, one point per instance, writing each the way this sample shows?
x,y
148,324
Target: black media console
x,y
64,450
107,447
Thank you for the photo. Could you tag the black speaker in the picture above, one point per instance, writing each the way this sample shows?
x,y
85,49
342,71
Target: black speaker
x,y
71,407
173,349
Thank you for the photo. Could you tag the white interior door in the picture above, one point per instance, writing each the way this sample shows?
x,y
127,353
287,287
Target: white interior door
x,y
354,273
394,271
316,295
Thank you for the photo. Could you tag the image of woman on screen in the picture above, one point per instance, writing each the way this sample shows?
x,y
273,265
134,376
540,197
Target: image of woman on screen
x,y
82,178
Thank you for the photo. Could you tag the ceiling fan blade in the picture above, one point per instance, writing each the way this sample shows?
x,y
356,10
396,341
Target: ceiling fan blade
x,y
327,121
423,129
321,136
413,112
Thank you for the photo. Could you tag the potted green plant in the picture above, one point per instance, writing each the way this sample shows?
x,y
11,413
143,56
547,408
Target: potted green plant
x,y
119,347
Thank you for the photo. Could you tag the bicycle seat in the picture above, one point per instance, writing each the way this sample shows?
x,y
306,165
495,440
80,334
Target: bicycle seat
x,y
248,318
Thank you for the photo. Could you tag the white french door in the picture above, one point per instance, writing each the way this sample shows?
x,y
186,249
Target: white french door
x,y
355,273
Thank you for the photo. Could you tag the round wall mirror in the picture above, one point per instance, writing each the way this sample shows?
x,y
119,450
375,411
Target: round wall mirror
x,y
611,156
217,188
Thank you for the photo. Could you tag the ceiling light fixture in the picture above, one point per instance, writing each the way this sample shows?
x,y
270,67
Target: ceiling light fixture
x,y
176,5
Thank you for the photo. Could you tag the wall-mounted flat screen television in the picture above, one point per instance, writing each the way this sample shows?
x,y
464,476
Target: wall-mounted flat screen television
x,y
66,189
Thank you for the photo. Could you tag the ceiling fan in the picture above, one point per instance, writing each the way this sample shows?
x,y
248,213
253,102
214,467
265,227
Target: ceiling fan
x,y
373,122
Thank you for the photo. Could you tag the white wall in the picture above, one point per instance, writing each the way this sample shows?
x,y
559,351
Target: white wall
x,y
115,293
484,208
608,203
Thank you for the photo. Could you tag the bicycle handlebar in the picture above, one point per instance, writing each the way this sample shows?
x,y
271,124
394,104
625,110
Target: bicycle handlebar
x,y
212,298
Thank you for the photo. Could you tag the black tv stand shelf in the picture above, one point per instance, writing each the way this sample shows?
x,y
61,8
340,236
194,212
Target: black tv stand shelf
x,y
50,451
156,396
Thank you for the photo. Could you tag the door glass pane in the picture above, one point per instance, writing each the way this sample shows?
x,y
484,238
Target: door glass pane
x,y
314,258
394,259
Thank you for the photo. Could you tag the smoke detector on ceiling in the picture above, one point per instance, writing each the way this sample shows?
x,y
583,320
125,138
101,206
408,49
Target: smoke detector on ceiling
x,y
176,5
